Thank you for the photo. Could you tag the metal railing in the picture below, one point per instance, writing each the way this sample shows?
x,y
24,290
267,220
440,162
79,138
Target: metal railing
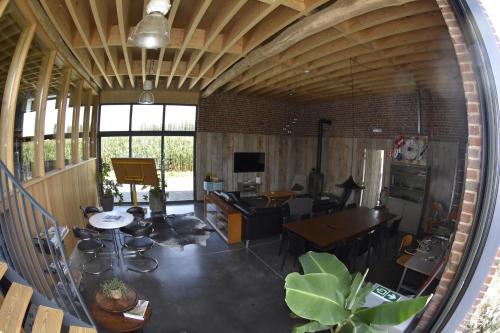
x,y
31,241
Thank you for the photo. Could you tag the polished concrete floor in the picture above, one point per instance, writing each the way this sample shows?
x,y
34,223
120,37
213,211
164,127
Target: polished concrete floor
x,y
220,288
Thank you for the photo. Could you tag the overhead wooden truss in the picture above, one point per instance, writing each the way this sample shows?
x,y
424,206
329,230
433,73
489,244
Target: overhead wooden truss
x,y
393,44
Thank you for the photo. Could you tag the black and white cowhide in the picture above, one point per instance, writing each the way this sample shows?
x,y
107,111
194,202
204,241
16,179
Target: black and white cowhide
x,y
176,231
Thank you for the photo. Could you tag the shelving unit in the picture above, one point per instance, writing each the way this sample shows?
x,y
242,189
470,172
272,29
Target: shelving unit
x,y
225,219
407,194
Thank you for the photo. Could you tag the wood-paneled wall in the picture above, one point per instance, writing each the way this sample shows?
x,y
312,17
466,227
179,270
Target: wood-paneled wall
x,y
286,156
63,192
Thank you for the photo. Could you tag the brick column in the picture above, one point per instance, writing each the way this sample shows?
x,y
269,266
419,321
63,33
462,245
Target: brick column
x,y
473,162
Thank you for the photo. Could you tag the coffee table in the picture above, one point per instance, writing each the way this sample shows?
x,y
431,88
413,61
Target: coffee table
x,y
113,220
275,195
116,322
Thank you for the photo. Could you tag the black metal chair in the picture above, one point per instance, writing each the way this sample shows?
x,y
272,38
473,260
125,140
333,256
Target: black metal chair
x,y
362,245
392,233
351,206
138,212
298,208
89,243
138,244
295,246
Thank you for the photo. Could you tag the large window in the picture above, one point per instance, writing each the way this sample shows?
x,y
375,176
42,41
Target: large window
x,y
163,132
49,144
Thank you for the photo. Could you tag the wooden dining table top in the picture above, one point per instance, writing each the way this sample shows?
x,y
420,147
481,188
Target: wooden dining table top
x,y
327,230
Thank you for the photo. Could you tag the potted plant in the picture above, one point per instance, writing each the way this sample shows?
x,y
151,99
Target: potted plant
x,y
332,299
156,199
114,288
110,188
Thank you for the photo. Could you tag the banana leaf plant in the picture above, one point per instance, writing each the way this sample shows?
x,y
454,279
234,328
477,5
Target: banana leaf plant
x,y
332,299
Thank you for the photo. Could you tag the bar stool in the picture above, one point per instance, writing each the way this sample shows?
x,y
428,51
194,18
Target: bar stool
x,y
89,243
138,244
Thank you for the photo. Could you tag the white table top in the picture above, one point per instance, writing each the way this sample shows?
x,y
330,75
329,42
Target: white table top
x,y
425,262
111,220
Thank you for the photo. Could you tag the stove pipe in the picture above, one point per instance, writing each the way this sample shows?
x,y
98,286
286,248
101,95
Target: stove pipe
x,y
319,150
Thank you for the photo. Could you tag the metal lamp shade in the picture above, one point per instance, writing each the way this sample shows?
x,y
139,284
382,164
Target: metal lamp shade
x,y
350,184
146,97
151,32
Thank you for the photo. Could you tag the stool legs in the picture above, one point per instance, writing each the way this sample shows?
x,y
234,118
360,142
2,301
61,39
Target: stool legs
x,y
94,257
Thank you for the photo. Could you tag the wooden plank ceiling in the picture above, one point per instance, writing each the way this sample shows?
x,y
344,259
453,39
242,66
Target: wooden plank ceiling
x,y
392,49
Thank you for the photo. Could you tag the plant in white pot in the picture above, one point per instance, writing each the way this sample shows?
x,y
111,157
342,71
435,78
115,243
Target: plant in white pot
x,y
114,288
110,188
332,299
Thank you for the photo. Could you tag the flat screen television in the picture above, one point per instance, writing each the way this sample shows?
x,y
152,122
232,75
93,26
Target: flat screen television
x,y
249,162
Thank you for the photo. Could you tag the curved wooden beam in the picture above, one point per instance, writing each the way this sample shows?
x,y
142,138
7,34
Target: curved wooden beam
x,y
9,101
42,90
61,116
340,11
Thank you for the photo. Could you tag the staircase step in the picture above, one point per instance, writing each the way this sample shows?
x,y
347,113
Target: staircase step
x,y
3,269
47,320
75,329
14,308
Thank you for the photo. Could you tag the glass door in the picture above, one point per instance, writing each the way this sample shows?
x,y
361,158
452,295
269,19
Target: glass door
x,y
178,174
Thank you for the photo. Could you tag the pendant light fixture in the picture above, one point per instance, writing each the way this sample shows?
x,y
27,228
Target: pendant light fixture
x,y
147,96
350,183
152,31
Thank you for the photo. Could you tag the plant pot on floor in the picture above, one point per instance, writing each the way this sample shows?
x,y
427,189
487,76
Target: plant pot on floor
x,y
107,203
156,201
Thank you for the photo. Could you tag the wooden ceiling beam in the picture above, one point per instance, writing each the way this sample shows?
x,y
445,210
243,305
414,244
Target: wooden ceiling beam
x,y
244,23
410,28
320,21
363,22
80,13
100,12
192,25
226,13
3,5
122,13
361,58
170,21
298,5
136,69
60,31
280,19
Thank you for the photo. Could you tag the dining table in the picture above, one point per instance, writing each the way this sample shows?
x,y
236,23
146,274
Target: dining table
x,y
113,220
326,231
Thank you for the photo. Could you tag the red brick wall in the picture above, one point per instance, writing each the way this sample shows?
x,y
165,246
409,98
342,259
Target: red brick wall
x,y
443,116
473,163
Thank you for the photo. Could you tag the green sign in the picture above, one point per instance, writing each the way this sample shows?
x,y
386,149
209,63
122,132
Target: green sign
x,y
392,297
381,291
386,294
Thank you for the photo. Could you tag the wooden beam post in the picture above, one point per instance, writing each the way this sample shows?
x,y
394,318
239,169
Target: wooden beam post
x,y
93,127
339,11
40,104
61,116
8,115
75,127
3,5
86,124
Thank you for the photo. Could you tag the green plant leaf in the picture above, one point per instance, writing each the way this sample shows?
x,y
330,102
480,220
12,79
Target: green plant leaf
x,y
356,285
352,326
312,326
314,262
361,296
316,296
392,313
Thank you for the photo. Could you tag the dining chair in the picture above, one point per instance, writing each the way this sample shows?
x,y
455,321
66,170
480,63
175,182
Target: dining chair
x,y
88,211
379,238
351,206
298,208
392,234
362,246
404,256
138,244
295,246
89,243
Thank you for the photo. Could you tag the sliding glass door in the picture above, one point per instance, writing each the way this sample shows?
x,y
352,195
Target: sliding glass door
x,y
163,132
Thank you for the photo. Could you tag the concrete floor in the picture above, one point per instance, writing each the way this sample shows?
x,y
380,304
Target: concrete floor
x,y
220,288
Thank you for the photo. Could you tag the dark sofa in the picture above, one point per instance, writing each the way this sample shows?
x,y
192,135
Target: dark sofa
x,y
260,221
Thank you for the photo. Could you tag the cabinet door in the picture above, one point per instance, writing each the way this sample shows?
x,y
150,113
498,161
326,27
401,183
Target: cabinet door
x,y
411,217
395,206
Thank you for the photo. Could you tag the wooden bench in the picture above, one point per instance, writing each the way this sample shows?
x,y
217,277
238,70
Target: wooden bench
x,y
15,304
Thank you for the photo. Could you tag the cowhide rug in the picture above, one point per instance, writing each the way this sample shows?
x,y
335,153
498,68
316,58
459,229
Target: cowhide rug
x,y
176,231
